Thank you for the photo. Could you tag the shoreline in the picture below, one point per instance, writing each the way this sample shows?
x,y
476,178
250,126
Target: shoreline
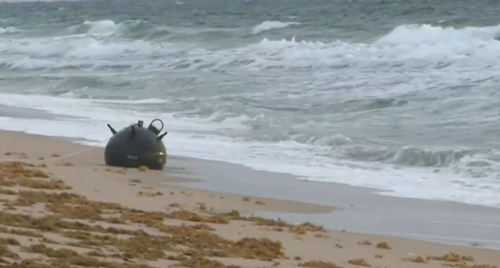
x,y
332,205
35,121
181,198
427,220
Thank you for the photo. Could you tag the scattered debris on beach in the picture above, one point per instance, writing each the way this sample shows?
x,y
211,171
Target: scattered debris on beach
x,y
43,223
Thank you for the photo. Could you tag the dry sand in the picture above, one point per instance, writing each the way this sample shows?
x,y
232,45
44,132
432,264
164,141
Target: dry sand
x,y
76,212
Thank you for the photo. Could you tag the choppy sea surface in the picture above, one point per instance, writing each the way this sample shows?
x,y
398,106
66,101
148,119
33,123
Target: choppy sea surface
x,y
397,95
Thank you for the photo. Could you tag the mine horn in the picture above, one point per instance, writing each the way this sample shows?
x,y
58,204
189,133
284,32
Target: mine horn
x,y
112,129
161,136
132,133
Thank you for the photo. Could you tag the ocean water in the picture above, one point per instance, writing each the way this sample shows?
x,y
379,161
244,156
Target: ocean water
x,y
397,95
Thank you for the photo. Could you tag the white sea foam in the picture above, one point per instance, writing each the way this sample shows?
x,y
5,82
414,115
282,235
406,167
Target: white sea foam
x,y
272,25
430,50
406,46
4,30
287,157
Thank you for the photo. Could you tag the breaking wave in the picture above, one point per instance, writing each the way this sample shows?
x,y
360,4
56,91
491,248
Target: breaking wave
x,y
271,25
120,69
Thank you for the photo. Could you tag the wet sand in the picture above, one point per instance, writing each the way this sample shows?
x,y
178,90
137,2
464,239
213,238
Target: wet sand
x,y
357,209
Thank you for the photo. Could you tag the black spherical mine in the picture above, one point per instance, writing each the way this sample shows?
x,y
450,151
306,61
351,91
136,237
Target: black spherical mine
x,y
136,146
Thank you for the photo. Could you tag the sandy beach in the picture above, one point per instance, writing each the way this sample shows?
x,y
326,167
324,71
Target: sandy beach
x,y
62,207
